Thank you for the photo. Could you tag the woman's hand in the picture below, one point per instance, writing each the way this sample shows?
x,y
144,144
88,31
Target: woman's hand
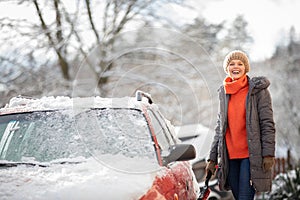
x,y
211,166
268,163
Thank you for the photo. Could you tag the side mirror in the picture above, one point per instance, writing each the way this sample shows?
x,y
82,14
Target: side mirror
x,y
180,152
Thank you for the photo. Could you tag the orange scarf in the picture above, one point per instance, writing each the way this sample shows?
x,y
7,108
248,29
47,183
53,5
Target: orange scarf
x,y
233,86
236,134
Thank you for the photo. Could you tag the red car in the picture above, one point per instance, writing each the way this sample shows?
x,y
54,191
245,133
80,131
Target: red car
x,y
92,148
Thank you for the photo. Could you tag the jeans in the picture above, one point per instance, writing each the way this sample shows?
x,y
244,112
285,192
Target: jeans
x,y
239,179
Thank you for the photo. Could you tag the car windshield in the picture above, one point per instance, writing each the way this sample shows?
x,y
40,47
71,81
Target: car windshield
x,y
51,135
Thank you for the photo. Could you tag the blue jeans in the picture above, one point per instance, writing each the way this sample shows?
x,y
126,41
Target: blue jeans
x,y
239,179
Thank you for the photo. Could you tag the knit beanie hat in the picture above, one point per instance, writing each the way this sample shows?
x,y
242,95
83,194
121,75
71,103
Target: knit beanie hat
x,y
236,55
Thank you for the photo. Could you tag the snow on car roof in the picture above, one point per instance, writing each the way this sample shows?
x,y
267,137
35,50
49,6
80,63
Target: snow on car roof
x,y
24,104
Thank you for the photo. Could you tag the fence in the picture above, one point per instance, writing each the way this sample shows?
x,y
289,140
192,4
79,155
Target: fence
x,y
282,165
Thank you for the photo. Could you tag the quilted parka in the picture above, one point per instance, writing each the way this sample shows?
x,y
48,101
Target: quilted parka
x,y
260,134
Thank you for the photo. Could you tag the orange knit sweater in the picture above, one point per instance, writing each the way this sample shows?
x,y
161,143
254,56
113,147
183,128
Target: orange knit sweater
x,y
236,134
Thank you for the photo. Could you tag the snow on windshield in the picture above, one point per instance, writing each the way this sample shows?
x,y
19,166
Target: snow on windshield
x,y
42,136
122,132
48,135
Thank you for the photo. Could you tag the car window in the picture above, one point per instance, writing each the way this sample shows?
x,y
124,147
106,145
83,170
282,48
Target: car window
x,y
166,128
48,135
160,133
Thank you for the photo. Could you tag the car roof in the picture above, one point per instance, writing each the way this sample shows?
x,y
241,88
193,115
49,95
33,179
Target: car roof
x,y
25,104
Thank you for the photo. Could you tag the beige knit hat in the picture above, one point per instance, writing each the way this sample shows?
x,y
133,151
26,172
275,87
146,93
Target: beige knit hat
x,y
236,55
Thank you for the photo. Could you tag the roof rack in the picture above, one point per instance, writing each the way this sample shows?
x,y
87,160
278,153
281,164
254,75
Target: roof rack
x,y
140,94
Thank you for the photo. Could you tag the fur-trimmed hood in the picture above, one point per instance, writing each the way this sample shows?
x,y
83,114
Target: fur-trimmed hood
x,y
258,83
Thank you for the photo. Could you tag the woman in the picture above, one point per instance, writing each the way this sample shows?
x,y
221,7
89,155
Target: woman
x,y
244,138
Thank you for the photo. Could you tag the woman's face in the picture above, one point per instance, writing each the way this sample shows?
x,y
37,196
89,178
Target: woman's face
x,y
236,69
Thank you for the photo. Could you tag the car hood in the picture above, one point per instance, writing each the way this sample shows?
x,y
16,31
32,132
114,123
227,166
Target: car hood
x,y
87,180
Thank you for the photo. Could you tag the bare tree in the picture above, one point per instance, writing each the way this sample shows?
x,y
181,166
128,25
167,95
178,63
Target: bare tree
x,y
64,32
54,42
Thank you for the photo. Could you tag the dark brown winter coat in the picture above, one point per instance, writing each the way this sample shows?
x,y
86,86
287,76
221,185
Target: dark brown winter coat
x,y
260,134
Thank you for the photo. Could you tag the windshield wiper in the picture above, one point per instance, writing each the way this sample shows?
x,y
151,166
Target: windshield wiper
x,y
67,162
15,164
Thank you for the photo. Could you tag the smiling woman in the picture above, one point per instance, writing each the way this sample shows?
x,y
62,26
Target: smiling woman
x,y
244,139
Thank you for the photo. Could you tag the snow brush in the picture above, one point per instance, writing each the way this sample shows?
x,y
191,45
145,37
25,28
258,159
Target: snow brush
x,y
205,191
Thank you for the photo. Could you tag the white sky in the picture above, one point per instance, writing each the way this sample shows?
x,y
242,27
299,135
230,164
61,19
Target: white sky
x,y
268,20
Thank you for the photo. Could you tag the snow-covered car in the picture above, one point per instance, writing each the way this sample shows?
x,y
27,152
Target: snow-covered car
x,y
92,148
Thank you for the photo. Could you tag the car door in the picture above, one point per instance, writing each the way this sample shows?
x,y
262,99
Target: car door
x,y
178,180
